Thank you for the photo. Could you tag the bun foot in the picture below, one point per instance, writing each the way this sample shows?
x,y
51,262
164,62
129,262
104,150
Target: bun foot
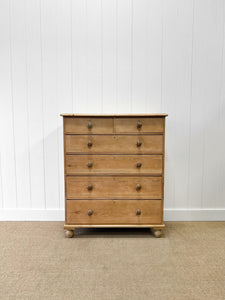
x,y
69,233
157,232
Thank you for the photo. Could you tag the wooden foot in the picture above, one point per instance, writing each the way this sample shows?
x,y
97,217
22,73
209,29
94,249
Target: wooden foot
x,y
69,233
157,232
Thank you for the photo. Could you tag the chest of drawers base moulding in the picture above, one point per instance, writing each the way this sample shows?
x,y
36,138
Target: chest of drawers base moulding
x,y
114,171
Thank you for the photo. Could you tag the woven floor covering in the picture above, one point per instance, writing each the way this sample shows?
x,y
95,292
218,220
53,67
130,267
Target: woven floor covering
x,y
38,262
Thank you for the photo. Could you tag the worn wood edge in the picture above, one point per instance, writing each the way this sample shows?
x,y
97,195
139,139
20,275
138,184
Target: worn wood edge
x,y
114,133
113,174
112,115
114,199
64,165
113,153
163,168
98,174
72,227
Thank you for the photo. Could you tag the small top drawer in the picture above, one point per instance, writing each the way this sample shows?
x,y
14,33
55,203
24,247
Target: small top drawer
x,y
140,125
86,125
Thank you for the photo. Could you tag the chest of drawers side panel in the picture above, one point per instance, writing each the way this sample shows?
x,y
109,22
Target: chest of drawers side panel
x,y
64,155
163,167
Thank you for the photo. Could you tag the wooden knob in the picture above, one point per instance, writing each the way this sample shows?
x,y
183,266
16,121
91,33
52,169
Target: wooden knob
x,y
89,164
138,212
89,125
90,212
139,164
90,187
138,187
89,144
139,143
139,124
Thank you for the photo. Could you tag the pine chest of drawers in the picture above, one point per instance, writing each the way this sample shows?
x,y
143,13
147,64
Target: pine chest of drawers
x,y
114,171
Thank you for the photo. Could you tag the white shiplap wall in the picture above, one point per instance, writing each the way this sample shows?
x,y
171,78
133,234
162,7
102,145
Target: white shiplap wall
x,y
111,56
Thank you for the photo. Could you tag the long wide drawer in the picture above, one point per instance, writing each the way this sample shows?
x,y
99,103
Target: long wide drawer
x,y
119,164
112,187
114,212
139,125
88,125
133,144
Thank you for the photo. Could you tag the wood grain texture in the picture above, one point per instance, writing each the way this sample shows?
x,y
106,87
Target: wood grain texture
x,y
96,125
103,115
72,227
100,185
126,144
113,187
139,125
114,211
118,164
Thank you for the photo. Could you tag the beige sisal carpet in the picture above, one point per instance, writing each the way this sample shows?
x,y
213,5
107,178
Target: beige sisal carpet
x,y
38,262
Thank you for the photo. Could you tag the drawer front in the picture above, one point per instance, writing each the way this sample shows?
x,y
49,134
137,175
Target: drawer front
x,y
109,187
114,212
139,125
88,125
133,144
95,164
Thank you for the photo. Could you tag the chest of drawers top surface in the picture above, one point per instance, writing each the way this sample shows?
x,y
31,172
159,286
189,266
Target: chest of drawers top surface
x,y
114,115
114,170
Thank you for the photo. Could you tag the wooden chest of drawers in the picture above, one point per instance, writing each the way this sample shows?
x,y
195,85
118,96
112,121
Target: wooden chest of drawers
x,y
114,171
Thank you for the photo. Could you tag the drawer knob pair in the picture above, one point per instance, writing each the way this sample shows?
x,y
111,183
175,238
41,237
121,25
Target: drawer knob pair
x,y
138,187
139,124
89,164
90,187
138,212
89,125
90,212
139,143
139,164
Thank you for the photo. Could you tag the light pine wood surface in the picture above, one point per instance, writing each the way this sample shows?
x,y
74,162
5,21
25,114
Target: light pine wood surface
x,y
116,187
109,164
114,174
89,125
139,125
114,144
114,212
